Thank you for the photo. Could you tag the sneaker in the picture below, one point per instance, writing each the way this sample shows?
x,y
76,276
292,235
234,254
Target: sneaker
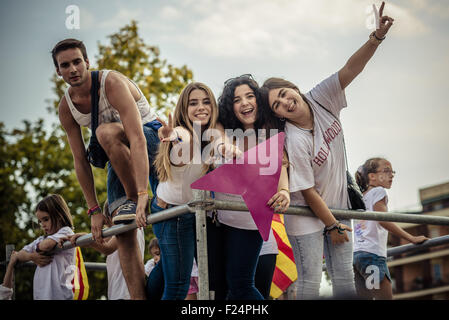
x,y
126,213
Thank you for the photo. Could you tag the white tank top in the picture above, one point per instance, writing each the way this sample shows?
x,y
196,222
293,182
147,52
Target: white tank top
x,y
106,112
177,191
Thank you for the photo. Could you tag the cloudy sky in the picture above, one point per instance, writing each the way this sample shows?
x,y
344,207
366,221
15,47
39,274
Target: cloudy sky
x,y
398,106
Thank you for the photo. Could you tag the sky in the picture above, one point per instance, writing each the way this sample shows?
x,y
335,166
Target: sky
x,y
397,107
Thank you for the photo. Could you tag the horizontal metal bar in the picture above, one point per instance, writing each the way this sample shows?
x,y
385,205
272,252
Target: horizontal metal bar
x,y
93,266
408,248
121,228
346,214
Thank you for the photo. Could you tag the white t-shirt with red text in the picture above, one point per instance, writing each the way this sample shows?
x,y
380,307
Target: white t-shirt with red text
x,y
317,157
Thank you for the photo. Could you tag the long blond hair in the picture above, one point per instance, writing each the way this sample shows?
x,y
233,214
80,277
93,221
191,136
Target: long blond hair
x,y
180,118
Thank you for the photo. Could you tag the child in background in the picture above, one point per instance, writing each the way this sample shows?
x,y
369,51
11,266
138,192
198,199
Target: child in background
x,y
53,275
155,251
194,287
117,288
370,237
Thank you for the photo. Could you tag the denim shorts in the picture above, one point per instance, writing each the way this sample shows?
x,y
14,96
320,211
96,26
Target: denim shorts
x,y
116,193
363,260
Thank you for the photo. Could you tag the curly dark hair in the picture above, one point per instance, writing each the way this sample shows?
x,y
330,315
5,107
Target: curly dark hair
x,y
226,115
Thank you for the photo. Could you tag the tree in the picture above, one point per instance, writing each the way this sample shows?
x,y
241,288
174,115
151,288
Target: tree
x,y
159,81
36,163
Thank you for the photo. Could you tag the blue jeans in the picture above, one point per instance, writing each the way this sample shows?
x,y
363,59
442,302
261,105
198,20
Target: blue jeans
x,y
116,193
176,238
308,250
233,256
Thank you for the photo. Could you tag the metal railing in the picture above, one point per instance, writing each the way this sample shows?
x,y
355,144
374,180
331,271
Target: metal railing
x,y
202,202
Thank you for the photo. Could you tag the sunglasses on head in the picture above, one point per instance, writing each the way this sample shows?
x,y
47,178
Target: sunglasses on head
x,y
246,75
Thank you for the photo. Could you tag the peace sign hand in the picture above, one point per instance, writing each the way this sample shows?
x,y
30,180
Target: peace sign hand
x,y
166,132
385,23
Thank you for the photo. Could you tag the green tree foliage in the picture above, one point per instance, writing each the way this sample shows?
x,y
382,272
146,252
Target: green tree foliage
x,y
159,81
36,162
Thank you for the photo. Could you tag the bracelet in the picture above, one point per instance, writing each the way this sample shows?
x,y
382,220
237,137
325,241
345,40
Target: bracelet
x,y
284,190
375,39
335,225
94,210
141,193
380,39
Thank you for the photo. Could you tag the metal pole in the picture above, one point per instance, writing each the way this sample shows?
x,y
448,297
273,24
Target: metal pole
x,y
347,214
199,197
118,229
407,248
9,250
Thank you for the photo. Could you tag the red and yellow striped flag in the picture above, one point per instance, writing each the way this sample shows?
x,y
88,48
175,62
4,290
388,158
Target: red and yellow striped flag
x,y
80,283
285,272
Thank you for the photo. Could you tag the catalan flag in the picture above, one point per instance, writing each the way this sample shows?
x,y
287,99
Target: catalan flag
x,y
80,283
285,272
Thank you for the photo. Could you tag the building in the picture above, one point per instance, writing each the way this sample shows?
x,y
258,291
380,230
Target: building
x,y
424,275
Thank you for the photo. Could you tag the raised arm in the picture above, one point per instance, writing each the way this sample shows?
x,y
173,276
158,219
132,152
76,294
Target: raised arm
x,y
360,58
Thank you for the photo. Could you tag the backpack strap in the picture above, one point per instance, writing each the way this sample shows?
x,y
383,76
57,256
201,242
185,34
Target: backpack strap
x,y
94,102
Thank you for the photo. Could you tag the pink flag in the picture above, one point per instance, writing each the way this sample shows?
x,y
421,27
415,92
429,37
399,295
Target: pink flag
x,y
255,179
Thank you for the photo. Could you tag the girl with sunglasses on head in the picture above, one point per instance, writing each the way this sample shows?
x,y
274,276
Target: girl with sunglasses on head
x,y
317,174
233,239
370,237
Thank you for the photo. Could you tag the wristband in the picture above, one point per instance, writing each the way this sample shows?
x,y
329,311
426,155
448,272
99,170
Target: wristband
x,y
93,210
332,227
375,39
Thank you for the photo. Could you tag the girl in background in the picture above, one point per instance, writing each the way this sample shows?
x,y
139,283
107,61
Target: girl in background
x,y
370,237
54,273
